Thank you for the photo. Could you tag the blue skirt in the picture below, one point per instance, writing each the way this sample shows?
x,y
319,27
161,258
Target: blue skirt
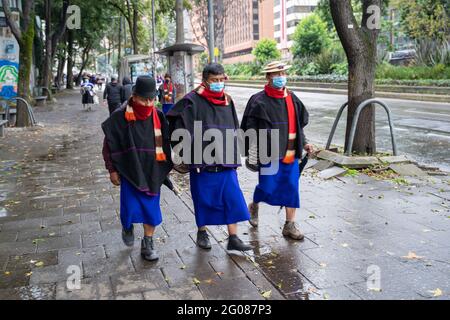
x,y
218,199
281,188
138,207
166,107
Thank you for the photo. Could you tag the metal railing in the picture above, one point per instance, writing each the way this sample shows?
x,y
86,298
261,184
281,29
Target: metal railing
x,y
30,112
360,108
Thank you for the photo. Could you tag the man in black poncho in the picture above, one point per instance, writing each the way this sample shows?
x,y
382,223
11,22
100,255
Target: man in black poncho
x,y
277,108
217,197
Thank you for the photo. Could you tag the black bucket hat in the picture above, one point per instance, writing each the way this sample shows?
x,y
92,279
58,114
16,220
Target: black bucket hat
x,y
145,87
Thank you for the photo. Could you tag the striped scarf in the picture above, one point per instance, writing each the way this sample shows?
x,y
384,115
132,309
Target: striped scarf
x,y
289,158
168,92
140,112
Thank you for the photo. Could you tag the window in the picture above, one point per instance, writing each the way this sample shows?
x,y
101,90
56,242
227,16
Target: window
x,y
300,9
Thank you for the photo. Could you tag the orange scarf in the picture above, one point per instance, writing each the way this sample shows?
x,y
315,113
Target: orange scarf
x,y
292,120
135,112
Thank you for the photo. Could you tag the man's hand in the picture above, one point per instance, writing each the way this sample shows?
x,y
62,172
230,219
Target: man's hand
x,y
310,149
115,178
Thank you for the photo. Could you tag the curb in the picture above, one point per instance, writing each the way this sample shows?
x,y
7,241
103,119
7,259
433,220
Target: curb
x,y
380,94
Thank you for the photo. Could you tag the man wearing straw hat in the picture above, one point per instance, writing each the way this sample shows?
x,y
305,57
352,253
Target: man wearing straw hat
x,y
277,108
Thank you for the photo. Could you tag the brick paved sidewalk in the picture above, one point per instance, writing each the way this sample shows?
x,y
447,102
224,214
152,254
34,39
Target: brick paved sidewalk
x,y
59,210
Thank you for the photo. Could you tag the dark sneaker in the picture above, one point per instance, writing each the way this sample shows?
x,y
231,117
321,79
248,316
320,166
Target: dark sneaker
x,y
203,240
291,230
128,236
234,243
253,208
148,251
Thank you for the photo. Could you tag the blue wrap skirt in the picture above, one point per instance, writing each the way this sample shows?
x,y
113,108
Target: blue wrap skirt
x,y
138,207
166,107
218,199
281,188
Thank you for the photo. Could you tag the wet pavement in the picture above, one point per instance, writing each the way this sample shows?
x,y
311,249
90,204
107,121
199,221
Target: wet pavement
x,y
365,238
422,128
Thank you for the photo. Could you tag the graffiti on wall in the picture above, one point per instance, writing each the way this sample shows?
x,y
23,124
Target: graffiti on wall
x,y
9,76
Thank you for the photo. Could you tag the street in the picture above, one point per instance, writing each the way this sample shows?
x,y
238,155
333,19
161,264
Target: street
x,y
422,128
365,238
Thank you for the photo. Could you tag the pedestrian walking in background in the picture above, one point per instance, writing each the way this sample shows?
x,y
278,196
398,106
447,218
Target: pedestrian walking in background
x,y
217,196
167,94
112,94
127,89
88,94
277,108
137,155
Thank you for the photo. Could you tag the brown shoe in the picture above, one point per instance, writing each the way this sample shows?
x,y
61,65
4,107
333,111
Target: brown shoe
x,y
253,208
290,230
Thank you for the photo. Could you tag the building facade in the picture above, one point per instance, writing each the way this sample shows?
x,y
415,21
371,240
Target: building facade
x,y
248,21
287,15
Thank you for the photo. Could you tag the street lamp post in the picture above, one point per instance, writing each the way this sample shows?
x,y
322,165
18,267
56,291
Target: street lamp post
x,y
211,30
154,38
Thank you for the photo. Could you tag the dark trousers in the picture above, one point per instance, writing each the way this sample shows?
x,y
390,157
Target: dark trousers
x,y
113,107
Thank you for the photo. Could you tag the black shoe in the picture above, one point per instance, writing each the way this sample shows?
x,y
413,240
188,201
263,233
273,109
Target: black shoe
x,y
203,240
234,243
128,236
148,251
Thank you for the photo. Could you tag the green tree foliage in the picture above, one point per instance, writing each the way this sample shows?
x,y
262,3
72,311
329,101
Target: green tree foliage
x,y
425,18
310,37
265,51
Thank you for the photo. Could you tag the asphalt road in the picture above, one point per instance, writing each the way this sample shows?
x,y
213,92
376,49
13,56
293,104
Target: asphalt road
x,y
422,128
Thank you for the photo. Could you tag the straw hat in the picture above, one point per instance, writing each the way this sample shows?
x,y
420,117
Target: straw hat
x,y
276,66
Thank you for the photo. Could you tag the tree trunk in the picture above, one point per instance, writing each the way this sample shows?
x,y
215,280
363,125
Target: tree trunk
x,y
360,45
360,89
46,77
61,64
85,59
135,28
70,60
26,59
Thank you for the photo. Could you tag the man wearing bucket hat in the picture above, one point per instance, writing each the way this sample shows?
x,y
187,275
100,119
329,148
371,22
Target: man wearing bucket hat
x,y
137,155
277,108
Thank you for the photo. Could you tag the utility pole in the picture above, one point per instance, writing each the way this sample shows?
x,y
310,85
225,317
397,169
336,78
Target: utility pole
x,y
211,30
154,39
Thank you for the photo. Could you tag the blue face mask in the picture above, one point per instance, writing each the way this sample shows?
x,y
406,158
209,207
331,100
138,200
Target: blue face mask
x,y
217,86
279,82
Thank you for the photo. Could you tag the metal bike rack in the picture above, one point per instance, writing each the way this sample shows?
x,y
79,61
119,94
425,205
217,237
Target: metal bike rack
x,y
29,109
360,108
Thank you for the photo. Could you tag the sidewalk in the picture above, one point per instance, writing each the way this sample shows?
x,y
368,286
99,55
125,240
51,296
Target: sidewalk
x,y
59,210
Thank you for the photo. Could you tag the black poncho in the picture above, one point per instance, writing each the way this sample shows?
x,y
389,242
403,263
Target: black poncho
x,y
194,107
132,147
264,112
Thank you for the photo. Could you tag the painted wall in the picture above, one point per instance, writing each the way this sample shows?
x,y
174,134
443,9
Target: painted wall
x,y
9,60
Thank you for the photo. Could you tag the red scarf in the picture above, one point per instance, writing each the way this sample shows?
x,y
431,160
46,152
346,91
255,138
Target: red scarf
x,y
137,111
292,119
216,98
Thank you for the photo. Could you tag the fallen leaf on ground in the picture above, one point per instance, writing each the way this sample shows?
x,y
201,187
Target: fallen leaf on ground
x,y
436,293
412,255
267,294
196,281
